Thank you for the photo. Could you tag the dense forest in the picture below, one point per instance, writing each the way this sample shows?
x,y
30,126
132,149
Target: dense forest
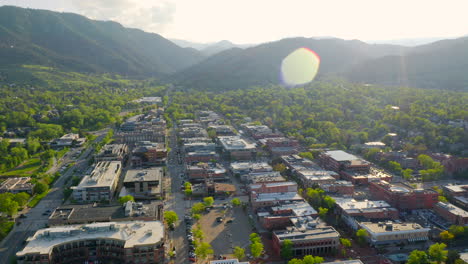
x,y
340,114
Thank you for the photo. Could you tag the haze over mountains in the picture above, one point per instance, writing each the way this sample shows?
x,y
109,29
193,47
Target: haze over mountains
x,y
75,43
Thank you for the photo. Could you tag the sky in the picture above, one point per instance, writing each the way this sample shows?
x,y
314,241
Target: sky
x,y
256,21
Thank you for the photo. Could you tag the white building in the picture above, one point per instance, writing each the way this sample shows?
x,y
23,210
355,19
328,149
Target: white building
x,y
386,233
100,184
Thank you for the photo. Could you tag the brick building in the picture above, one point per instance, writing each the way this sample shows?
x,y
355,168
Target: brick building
x,y
338,160
320,241
339,187
452,213
403,196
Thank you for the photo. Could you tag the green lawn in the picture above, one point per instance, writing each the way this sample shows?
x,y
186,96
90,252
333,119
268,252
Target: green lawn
x,y
36,199
26,169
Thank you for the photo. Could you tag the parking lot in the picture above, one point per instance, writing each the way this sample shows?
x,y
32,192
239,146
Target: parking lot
x,y
225,235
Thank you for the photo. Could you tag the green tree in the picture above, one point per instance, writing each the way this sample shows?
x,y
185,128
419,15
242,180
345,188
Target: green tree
x,y
312,260
395,167
203,250
21,198
279,167
33,145
256,249
457,231
442,199
198,208
208,201
287,249
125,199
323,212
307,155
362,235
239,253
408,174
438,253
40,188
171,217
7,204
345,242
254,237
296,261
328,202
446,236
236,202
418,257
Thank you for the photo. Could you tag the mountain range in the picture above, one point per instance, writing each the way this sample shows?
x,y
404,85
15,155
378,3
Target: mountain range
x,y
75,43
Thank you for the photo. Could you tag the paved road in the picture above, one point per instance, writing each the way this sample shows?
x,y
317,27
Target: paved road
x,y
36,217
175,202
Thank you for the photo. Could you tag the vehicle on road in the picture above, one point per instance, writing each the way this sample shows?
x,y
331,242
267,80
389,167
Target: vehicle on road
x,y
219,219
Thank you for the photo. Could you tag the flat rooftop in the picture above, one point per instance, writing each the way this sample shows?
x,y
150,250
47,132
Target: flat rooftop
x,y
453,209
272,184
392,227
340,155
104,174
87,212
352,204
251,165
132,233
286,196
311,234
146,175
301,208
457,188
235,143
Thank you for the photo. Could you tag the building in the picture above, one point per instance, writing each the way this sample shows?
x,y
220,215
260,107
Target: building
x,y
244,168
375,144
281,146
260,131
452,213
149,154
366,209
112,152
456,190
259,200
149,100
403,196
100,184
228,261
69,140
236,148
90,213
363,178
386,233
456,166
211,171
119,242
201,156
312,177
282,216
223,130
296,162
338,160
320,241
261,177
339,187
17,185
144,184
273,187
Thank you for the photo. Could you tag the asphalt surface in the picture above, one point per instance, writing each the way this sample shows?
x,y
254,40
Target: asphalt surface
x,y
36,218
175,202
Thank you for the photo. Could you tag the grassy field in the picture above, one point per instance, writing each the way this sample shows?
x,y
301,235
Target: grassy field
x,y
26,169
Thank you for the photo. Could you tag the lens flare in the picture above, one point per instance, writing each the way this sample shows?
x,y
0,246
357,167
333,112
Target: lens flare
x,y
300,67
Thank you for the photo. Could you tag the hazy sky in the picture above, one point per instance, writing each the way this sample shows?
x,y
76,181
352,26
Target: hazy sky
x,y
254,21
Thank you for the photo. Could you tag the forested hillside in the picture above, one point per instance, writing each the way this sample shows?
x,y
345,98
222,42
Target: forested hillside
x,y
73,42
242,68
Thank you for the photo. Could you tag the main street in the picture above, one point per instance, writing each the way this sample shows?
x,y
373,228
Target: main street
x,y
175,201
36,218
